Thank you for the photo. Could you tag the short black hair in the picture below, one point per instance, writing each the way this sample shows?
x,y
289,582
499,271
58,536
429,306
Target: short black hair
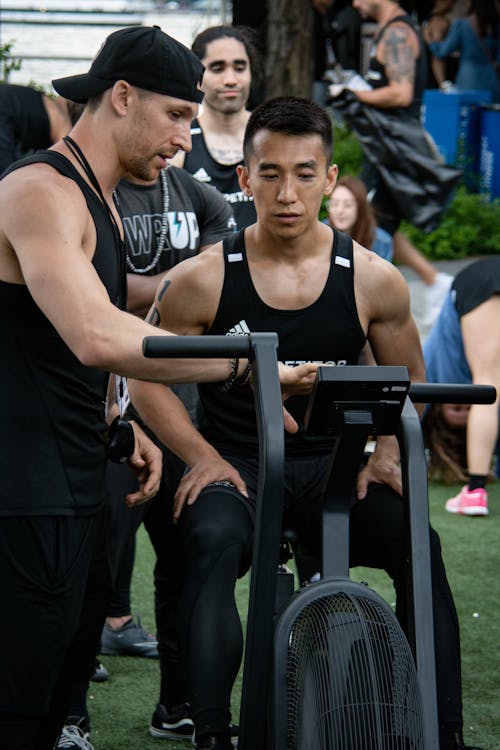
x,y
290,115
243,34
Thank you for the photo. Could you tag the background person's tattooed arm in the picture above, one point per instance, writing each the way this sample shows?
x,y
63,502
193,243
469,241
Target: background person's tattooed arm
x,y
398,50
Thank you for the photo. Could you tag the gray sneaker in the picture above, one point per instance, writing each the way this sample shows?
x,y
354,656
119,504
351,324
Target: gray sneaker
x,y
129,640
73,737
100,674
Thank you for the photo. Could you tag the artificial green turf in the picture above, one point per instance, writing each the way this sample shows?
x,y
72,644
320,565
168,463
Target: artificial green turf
x,y
121,708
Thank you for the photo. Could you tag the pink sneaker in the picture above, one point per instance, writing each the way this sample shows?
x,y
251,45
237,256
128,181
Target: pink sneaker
x,y
469,503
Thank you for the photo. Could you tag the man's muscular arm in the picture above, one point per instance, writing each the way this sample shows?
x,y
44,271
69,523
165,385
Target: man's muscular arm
x,y
47,240
398,50
383,301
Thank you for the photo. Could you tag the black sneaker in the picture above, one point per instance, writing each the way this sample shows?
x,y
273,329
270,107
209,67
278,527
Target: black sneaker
x,y
172,723
129,640
101,674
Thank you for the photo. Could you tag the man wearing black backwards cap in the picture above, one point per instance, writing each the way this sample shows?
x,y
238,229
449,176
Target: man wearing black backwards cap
x,y
62,282
142,56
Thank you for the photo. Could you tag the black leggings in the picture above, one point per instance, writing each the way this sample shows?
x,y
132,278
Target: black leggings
x,y
217,532
168,572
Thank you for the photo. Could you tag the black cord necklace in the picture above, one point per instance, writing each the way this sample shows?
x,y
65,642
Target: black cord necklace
x,y
82,160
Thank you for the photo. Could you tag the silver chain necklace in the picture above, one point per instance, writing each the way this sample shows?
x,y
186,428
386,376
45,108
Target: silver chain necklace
x,y
163,229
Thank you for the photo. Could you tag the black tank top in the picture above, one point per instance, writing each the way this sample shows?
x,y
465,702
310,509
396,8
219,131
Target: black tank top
x,y
201,164
53,458
326,331
377,78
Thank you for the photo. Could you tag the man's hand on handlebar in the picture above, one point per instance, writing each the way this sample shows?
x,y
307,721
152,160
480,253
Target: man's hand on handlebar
x,y
295,381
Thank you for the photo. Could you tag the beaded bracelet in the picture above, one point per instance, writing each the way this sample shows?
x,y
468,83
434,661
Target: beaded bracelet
x,y
245,375
228,384
233,378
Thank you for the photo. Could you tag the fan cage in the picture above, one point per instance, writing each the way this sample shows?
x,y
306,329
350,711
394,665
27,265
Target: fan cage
x,y
351,681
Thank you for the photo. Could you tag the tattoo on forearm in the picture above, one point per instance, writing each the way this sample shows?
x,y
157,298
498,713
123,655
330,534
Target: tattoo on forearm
x,y
154,317
399,57
163,289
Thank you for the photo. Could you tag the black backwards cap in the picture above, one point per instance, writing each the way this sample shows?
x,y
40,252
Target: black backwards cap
x,y
145,57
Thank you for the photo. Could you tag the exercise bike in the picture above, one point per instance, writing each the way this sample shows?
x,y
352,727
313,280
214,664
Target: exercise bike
x,y
335,669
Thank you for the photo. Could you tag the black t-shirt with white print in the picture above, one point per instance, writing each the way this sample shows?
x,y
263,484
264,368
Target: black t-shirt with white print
x,y
198,216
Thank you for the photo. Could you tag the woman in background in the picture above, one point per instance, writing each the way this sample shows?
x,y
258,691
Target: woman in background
x,y
476,39
435,28
350,211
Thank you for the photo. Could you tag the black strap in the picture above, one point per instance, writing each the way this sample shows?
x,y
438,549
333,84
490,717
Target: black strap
x,y
234,243
82,160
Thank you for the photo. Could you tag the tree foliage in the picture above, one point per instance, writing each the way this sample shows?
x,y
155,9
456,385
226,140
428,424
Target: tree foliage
x,y
7,62
470,226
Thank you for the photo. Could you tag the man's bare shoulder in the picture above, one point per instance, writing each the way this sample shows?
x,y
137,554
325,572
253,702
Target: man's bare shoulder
x,y
42,215
376,279
41,188
368,263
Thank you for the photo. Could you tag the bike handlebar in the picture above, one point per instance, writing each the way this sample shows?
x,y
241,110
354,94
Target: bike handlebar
x,y
451,393
193,347
198,347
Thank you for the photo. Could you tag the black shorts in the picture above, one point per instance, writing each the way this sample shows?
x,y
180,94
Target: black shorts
x,y
377,537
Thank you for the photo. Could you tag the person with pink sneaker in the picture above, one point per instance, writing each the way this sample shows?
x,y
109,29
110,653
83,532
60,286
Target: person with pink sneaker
x,y
464,347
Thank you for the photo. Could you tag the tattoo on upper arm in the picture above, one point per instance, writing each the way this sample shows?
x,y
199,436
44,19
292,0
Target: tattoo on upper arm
x,y
399,57
154,317
163,289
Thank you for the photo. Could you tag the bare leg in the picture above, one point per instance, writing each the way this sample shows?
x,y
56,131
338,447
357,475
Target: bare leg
x,y
481,337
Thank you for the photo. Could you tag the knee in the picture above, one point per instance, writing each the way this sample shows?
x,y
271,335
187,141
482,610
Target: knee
x,y
215,523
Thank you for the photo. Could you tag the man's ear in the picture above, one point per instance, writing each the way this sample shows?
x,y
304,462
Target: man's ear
x,y
244,179
120,97
331,179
